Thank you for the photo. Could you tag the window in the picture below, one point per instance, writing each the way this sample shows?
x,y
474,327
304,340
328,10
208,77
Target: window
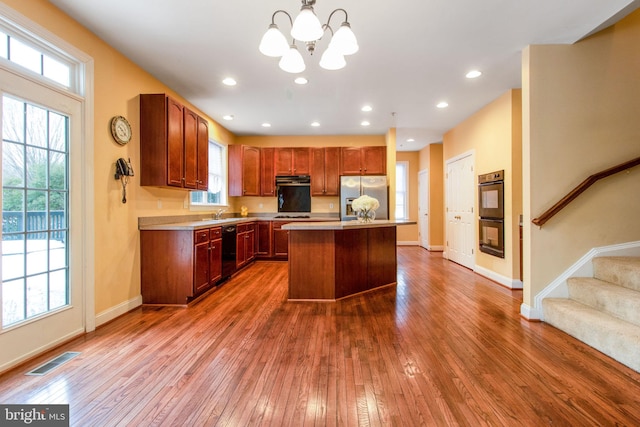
x,y
35,205
217,194
36,58
402,190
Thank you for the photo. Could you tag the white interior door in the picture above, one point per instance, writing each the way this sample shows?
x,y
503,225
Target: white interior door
x,y
460,185
42,290
423,208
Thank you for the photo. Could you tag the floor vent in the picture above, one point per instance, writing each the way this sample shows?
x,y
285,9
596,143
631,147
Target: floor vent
x,y
54,363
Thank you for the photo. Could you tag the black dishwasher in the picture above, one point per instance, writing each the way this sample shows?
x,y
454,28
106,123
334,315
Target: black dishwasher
x,y
228,251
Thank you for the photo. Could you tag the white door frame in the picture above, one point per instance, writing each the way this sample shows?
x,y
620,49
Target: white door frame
x,y
423,208
86,179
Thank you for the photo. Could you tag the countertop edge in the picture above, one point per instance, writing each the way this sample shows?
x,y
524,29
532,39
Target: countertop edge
x,y
200,224
343,225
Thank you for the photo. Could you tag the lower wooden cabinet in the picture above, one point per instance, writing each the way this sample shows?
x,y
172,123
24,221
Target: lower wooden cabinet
x,y
179,265
264,239
245,244
280,240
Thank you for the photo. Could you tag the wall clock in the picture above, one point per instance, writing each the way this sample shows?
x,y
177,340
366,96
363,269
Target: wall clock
x,y
120,130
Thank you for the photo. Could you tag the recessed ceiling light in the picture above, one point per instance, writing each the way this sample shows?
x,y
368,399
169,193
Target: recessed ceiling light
x,y
229,81
410,140
364,123
228,117
315,124
366,108
301,81
266,125
442,104
473,74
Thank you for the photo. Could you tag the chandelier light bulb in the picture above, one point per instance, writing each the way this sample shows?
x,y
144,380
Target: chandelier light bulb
x,y
332,59
344,40
273,42
292,61
307,26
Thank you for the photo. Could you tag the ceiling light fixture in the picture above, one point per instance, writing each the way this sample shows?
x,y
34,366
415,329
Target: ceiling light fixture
x,y
228,117
315,124
443,104
229,81
473,74
364,123
366,108
301,81
308,29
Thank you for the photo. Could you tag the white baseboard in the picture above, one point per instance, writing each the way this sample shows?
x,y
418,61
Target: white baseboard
x,y
407,243
118,310
529,312
582,268
434,248
503,280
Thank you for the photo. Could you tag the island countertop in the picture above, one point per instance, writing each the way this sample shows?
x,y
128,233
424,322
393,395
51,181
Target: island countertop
x,y
344,225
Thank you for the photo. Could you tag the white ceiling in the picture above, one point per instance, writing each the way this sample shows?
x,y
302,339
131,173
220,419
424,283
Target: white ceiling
x,y
413,54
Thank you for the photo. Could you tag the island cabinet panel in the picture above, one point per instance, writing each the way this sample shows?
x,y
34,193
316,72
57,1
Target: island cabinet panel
x,y
244,170
325,171
292,161
334,264
307,258
173,144
267,172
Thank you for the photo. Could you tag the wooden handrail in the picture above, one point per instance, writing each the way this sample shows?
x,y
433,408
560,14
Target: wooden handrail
x,y
539,221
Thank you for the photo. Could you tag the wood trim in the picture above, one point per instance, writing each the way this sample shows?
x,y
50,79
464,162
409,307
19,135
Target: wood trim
x,y
546,216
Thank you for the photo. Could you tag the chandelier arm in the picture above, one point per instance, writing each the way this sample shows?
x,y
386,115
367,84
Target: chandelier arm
x,y
346,17
273,17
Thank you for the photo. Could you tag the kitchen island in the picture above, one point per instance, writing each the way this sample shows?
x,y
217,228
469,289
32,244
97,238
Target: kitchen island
x,y
333,260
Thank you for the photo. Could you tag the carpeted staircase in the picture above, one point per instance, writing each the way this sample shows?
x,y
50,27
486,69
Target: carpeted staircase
x,y
603,311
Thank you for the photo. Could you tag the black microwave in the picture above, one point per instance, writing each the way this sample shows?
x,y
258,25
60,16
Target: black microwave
x,y
294,193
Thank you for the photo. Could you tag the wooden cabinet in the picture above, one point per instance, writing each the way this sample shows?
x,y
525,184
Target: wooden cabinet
x,y
244,170
179,265
174,144
264,239
325,171
267,172
292,161
363,161
215,255
245,244
280,240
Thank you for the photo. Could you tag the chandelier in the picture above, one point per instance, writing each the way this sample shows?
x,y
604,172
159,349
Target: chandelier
x,y
307,28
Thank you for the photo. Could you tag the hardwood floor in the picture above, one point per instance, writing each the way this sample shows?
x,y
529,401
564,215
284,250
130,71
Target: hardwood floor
x,y
445,347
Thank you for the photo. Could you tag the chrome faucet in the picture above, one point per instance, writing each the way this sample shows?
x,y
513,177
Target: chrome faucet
x,y
218,214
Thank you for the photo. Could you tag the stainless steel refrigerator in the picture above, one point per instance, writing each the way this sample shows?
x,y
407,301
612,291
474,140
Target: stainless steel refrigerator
x,y
352,187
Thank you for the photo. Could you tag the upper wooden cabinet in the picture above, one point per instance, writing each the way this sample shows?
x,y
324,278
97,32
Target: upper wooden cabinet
x,y
292,161
325,171
363,161
174,144
267,172
244,170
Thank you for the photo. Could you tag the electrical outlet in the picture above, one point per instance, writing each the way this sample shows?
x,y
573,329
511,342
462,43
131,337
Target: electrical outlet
x,y
159,204
330,205
260,205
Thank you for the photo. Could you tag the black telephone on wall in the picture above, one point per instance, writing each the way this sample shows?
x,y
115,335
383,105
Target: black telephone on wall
x,y
123,172
123,168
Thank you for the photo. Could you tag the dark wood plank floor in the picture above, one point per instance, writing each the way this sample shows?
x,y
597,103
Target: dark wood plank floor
x,y
445,347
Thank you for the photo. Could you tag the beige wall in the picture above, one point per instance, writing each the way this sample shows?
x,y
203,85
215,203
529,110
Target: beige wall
x,y
581,105
431,160
118,82
494,134
409,233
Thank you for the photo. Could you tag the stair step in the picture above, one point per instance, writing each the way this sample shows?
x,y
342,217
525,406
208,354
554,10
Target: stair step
x,y
623,303
608,334
623,271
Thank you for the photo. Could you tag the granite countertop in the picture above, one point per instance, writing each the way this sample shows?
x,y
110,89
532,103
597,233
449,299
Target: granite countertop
x,y
193,222
343,225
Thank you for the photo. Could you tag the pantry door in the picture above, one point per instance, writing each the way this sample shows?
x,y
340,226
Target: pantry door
x,y
42,290
460,192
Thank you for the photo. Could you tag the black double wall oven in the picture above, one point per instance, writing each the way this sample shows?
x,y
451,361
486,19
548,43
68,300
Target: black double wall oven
x,y
491,211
